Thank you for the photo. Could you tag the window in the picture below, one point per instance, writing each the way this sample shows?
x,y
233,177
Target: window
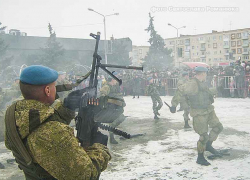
x,y
192,47
245,34
239,43
215,52
203,53
214,37
245,43
208,45
226,43
203,60
220,37
233,43
239,51
203,45
232,36
246,57
201,38
227,57
215,59
215,45
234,51
245,50
226,36
220,52
238,35
227,51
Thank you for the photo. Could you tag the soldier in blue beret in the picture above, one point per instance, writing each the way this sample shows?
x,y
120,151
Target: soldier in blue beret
x,y
200,100
38,134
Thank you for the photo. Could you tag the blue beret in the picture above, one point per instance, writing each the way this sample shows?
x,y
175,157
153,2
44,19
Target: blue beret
x,y
38,75
201,69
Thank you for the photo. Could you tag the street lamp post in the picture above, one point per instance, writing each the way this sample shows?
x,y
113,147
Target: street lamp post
x,y
104,22
176,45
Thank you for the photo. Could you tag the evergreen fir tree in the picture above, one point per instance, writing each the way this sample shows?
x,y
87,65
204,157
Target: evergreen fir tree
x,y
53,52
158,56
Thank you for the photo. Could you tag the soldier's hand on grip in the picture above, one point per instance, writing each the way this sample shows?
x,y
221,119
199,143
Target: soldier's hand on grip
x,y
172,109
98,137
72,101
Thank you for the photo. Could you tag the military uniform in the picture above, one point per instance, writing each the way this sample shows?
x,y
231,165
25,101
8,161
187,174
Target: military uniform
x,y
48,148
178,98
62,94
113,91
200,100
155,96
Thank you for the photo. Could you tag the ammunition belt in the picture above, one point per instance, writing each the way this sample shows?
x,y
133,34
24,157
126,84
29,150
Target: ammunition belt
x,y
116,102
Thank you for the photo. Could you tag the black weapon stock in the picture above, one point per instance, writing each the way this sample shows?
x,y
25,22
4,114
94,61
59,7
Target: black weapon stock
x,y
85,123
167,104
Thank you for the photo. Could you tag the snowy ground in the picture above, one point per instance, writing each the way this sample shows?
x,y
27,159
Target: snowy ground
x,y
167,151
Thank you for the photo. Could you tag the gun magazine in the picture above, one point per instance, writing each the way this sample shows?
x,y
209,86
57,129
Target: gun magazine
x,y
114,130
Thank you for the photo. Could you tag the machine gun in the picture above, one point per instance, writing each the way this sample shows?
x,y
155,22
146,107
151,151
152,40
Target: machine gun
x,y
89,103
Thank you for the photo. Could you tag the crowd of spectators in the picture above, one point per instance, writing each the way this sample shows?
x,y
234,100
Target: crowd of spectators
x,y
229,81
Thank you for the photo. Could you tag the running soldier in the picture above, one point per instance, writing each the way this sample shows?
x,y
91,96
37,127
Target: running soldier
x,y
112,90
155,96
200,99
182,100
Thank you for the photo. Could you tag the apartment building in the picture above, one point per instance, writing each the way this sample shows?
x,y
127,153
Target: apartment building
x,y
138,53
216,48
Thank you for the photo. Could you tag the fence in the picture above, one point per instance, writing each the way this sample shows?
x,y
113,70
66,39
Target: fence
x,y
227,86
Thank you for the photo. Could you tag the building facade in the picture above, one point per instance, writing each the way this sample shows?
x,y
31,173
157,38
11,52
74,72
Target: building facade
x,y
216,48
21,47
137,54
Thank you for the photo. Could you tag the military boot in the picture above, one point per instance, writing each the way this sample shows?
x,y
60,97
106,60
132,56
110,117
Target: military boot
x,y
201,160
210,148
186,124
112,139
156,117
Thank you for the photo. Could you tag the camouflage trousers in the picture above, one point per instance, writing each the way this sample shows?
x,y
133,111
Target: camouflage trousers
x,y
157,103
118,121
201,124
186,114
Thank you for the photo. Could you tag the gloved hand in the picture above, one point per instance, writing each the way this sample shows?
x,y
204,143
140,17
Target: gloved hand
x,y
172,109
98,137
72,101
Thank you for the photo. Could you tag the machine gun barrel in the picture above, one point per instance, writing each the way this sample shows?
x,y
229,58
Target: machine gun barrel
x,y
121,67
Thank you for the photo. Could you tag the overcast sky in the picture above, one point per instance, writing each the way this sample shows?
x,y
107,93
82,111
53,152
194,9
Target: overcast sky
x,y
71,18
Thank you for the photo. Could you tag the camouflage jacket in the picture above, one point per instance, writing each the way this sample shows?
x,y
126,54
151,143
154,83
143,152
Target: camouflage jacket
x,y
190,89
52,144
179,98
151,90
